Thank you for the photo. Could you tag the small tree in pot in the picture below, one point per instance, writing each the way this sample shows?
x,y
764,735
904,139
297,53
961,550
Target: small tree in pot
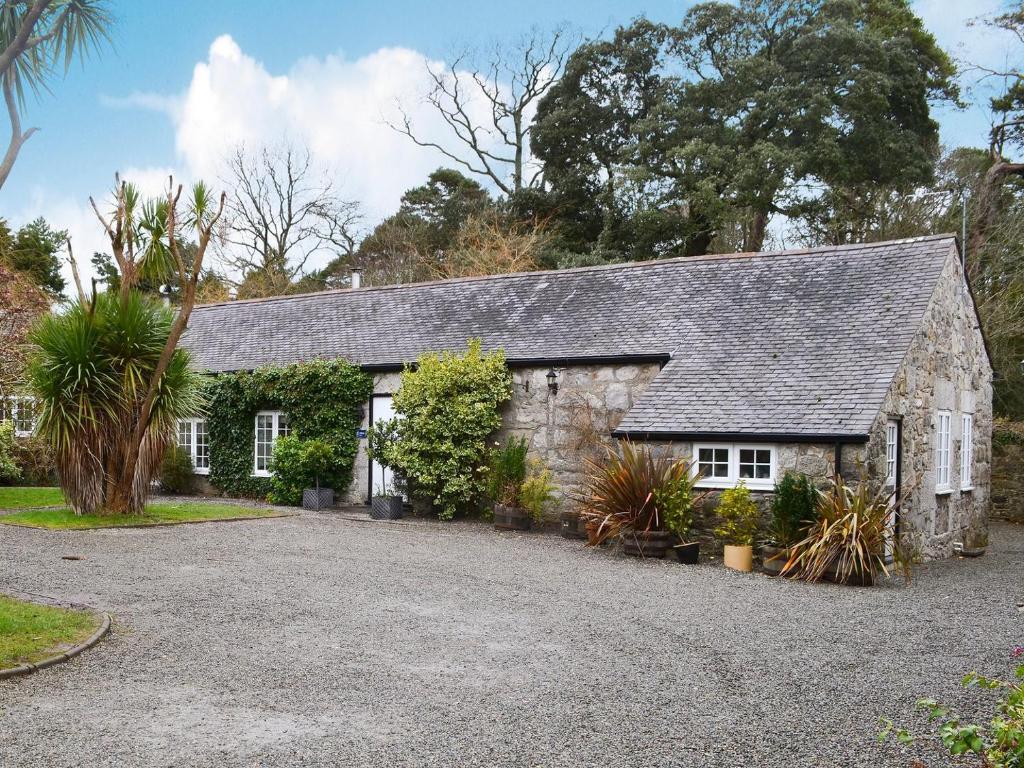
x,y
317,457
737,527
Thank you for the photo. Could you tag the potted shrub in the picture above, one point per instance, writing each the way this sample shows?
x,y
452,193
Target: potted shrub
x,y
794,510
676,501
317,458
630,497
847,542
537,492
506,475
387,503
737,526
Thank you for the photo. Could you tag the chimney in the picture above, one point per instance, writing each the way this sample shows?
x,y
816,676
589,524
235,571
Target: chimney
x,y
357,279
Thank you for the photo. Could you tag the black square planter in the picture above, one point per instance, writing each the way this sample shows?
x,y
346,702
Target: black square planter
x,y
316,499
386,507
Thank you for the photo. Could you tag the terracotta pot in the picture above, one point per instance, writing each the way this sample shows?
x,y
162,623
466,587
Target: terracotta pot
x,y
739,558
511,518
646,543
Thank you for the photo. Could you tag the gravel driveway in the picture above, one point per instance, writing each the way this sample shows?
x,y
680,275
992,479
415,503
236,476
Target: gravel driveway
x,y
317,640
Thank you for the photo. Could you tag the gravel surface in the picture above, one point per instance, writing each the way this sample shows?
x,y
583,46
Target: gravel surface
x,y
319,640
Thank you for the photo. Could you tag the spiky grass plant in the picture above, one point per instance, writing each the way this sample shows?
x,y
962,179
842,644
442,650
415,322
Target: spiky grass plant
x,y
91,374
847,542
634,490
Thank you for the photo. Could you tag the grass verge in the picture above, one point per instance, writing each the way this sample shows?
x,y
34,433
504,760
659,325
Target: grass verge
x,y
156,514
30,632
20,497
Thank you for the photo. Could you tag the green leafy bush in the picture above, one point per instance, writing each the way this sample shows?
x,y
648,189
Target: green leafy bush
x,y
177,475
537,490
636,489
324,400
298,465
448,406
794,509
738,516
10,473
1000,744
35,458
507,472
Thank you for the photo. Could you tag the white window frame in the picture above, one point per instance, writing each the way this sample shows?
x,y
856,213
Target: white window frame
x,y
967,452
12,412
943,430
193,443
892,432
276,430
753,483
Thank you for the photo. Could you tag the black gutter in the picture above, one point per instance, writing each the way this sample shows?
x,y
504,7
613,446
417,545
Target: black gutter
x,y
749,437
542,362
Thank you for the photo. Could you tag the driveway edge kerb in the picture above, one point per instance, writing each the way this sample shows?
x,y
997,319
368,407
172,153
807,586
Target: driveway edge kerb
x,y
26,669
152,525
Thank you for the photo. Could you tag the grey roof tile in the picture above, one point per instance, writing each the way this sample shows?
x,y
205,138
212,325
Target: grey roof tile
x,y
798,342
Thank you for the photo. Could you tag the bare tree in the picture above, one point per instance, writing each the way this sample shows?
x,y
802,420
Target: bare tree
x,y
36,38
282,212
505,89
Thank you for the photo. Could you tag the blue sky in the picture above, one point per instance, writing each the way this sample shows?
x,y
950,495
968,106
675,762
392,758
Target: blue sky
x,y
187,79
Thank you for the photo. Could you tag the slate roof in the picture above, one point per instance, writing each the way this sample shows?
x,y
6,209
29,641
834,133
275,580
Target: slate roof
x,y
790,343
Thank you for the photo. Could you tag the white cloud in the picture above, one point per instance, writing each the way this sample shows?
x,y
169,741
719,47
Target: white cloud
x,y
335,106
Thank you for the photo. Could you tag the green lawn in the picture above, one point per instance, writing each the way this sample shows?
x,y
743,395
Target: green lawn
x,y
31,632
156,514
21,497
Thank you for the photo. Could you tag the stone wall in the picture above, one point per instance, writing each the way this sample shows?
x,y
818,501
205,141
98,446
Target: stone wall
x,y
946,368
1008,472
561,428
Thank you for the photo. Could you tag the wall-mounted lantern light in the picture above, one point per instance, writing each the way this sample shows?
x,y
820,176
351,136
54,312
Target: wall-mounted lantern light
x,y
552,378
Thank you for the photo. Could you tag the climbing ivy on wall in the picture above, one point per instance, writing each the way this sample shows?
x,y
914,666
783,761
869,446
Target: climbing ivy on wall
x,y
324,400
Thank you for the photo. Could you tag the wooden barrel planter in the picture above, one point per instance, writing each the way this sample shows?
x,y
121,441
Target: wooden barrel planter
x,y
573,526
646,543
511,518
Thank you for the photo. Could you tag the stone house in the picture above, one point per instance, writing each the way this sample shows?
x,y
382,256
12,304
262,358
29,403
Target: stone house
x,y
869,357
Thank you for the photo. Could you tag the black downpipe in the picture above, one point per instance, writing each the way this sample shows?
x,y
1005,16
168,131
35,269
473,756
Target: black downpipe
x,y
838,460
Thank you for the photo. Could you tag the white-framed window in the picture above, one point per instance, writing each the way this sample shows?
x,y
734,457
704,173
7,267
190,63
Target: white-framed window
x,y
967,452
270,425
892,431
193,438
722,465
20,411
942,434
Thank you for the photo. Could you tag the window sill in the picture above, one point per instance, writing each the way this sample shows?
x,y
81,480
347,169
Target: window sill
x,y
261,473
200,471
967,489
723,484
22,433
943,491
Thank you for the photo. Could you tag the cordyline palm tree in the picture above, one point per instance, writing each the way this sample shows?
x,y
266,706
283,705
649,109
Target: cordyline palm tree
x,y
108,374
37,39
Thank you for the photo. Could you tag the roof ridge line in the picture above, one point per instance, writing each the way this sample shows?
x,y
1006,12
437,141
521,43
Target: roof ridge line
x,y
591,268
